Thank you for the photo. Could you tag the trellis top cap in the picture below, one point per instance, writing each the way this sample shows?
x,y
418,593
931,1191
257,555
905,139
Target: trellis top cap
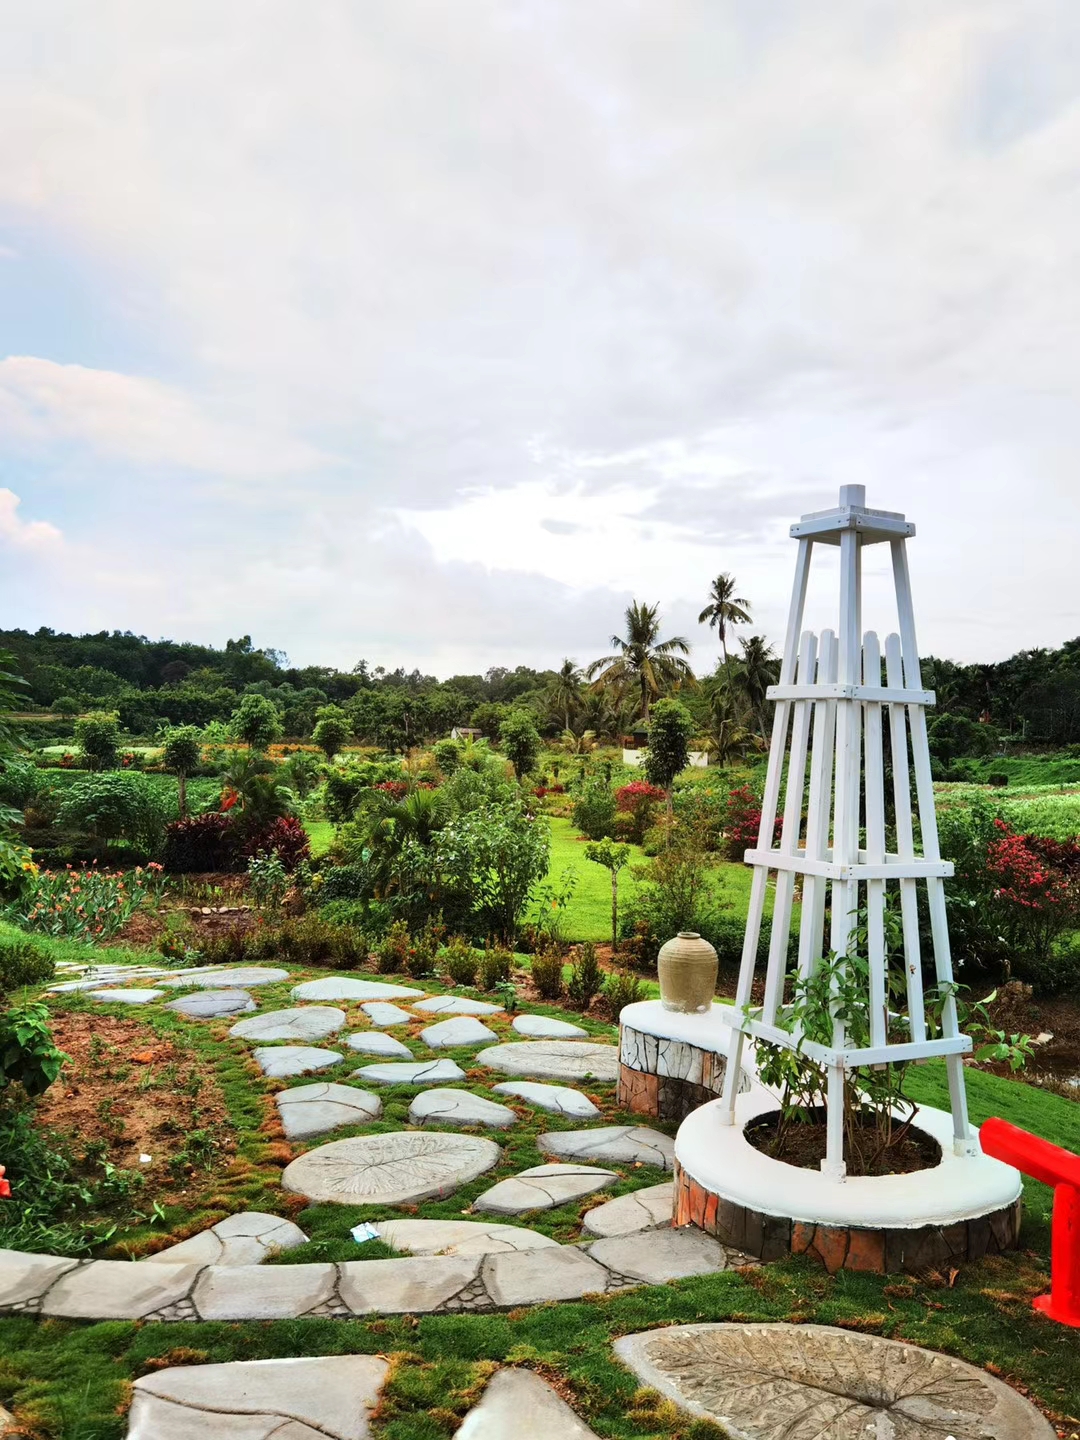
x,y
871,526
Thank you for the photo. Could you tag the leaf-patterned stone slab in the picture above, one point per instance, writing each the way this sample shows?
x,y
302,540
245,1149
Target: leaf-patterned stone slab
x,y
397,1168
813,1382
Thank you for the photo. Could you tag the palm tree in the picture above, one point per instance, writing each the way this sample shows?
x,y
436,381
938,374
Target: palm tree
x,y
756,669
564,695
642,662
724,608
727,733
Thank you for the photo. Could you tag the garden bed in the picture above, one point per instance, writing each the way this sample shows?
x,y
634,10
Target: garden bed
x,y
802,1143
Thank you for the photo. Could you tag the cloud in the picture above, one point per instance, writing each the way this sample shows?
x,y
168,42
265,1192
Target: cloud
x,y
621,291
140,420
27,535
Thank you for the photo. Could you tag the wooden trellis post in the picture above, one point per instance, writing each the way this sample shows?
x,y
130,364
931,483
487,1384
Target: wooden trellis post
x,y
831,705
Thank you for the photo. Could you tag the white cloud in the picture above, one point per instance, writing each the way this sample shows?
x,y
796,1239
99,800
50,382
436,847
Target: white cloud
x,y
27,535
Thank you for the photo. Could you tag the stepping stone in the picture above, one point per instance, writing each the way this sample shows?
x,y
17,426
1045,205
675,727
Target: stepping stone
x,y
281,1061
519,1403
460,1237
459,1107
378,1044
554,1060
345,987
242,977
616,1144
126,997
417,1072
97,977
667,1255
461,1030
543,1027
381,1013
310,1022
761,1381
212,1004
271,1292
543,1188
647,1209
244,1239
395,1169
456,1005
535,1276
408,1287
25,1277
558,1098
308,1110
117,1290
323,1398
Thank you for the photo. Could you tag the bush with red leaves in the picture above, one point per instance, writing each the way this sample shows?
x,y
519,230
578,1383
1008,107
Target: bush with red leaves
x,y
638,800
744,822
199,844
287,836
394,788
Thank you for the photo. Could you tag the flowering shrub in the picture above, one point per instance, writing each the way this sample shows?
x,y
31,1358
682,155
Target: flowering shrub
x,y
744,821
87,904
638,800
394,788
1036,887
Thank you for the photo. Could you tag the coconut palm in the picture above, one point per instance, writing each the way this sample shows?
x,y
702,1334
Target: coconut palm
x,y
724,608
643,664
564,694
756,669
727,732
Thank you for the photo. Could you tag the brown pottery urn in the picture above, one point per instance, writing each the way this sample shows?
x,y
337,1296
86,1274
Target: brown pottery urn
x,y
687,968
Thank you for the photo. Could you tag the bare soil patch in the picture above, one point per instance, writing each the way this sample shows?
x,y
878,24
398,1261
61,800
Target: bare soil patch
x,y
803,1145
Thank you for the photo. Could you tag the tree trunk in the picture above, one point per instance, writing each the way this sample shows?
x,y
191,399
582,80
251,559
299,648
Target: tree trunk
x,y
614,912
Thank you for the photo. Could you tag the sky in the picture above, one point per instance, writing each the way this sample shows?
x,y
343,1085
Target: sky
x,y
434,333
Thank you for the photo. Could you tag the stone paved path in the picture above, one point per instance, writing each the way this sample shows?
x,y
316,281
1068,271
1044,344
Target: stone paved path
x,y
812,1382
308,1110
647,1209
554,1060
321,1398
543,1187
398,1168
460,1237
307,1022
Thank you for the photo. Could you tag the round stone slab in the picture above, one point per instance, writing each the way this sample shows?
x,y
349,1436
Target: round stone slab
x,y
560,1099
456,1005
212,1004
281,1061
554,1059
309,1022
126,997
543,1027
381,1012
459,1030
378,1044
460,1237
615,1144
308,1110
345,987
330,1396
543,1188
417,1072
805,1381
395,1169
240,976
459,1107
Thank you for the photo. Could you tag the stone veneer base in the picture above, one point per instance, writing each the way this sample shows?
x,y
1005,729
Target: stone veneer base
x,y
963,1209
670,1063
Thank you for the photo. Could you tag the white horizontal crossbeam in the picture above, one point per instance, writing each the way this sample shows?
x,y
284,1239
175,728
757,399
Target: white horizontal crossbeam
x,y
871,526
894,867
850,1059
875,694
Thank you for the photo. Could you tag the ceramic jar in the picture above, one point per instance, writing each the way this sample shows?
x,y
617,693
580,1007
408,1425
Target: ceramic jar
x,y
687,967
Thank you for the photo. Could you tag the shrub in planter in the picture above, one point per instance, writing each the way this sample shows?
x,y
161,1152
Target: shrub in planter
x,y
461,962
23,962
586,978
199,844
547,974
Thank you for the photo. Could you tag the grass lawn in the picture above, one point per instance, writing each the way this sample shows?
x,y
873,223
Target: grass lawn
x,y
321,835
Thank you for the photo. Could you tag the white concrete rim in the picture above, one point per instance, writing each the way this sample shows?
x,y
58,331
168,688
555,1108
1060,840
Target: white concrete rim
x,y
724,1163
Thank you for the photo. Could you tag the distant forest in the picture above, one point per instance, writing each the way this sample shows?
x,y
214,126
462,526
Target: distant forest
x,y
1031,700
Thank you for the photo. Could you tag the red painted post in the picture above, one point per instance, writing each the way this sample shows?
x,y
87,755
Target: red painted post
x,y
5,1186
1061,1169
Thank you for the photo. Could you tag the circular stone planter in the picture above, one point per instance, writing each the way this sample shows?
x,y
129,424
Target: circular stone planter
x,y
961,1209
670,1063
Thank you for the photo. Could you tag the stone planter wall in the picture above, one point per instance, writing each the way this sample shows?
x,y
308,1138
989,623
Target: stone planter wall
x,y
881,1251
667,1077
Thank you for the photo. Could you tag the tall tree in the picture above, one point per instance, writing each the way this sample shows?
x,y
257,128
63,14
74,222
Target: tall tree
x,y
724,608
756,669
564,695
642,662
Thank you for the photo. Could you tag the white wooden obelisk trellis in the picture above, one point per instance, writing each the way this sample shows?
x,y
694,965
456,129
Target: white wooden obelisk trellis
x,y
830,707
